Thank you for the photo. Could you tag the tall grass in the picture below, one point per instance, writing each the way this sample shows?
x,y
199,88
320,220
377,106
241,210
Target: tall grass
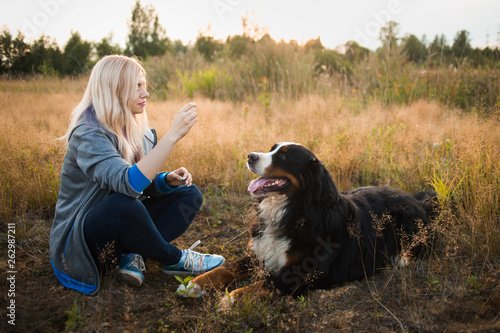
x,y
288,69
391,79
34,114
423,145
291,71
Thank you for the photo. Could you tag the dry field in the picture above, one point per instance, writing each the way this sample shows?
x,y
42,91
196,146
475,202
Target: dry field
x,y
420,146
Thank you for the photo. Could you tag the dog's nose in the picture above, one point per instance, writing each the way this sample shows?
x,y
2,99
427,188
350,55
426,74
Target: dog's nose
x,y
252,157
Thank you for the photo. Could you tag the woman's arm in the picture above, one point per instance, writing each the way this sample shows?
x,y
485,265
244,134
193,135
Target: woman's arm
x,y
150,164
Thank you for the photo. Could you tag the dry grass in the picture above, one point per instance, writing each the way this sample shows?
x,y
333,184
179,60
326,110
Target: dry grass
x,y
413,147
423,145
32,119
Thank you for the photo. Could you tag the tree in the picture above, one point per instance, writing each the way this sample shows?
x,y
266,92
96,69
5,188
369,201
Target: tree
x,y
439,50
208,46
314,44
46,57
437,44
328,61
461,47
76,55
355,52
104,47
5,50
146,36
388,35
179,47
238,45
414,49
19,57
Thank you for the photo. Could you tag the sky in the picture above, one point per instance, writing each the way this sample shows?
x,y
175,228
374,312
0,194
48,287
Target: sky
x,y
335,22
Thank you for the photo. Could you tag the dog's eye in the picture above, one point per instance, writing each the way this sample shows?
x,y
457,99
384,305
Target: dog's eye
x,y
282,156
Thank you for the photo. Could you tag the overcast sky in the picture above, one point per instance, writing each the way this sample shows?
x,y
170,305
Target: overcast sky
x,y
336,22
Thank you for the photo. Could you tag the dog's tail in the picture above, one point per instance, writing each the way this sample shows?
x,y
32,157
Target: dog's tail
x,y
428,201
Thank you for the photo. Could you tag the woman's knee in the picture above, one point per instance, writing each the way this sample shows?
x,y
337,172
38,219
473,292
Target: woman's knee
x,y
189,204
174,213
196,196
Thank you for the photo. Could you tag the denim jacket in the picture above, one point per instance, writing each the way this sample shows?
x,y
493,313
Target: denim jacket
x,y
92,169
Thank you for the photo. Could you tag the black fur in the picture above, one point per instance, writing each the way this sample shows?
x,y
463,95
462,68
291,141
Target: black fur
x,y
334,235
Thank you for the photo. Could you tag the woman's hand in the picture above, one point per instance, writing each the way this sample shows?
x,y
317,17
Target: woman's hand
x,y
154,160
179,177
183,121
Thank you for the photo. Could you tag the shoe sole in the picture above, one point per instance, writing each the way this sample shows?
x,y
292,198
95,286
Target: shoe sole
x,y
190,273
130,278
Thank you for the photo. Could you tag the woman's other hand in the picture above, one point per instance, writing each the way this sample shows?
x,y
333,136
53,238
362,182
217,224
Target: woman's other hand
x,y
179,177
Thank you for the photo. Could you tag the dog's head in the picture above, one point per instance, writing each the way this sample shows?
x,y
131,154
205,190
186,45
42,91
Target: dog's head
x,y
287,168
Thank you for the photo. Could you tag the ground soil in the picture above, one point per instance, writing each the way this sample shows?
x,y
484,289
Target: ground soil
x,y
395,300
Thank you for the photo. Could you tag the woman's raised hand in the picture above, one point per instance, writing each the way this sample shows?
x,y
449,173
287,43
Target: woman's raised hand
x,y
183,121
153,161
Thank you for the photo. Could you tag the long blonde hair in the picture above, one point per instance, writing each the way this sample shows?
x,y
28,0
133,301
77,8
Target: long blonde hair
x,y
111,91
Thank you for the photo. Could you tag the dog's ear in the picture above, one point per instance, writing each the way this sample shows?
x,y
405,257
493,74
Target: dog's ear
x,y
323,189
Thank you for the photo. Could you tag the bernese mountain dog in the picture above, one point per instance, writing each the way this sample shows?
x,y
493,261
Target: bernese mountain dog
x,y
310,235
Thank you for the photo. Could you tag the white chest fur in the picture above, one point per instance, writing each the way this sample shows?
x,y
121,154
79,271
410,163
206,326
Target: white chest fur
x,y
269,246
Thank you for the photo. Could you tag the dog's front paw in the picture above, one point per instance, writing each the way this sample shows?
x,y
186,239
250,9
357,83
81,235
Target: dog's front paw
x,y
192,290
225,303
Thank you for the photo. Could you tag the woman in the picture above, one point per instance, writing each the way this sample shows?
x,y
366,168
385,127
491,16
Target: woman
x,y
114,206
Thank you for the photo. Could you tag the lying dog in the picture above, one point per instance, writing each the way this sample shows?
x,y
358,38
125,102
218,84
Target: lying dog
x,y
310,235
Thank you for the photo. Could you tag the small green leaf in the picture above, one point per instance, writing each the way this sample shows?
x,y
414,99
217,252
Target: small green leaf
x,y
181,280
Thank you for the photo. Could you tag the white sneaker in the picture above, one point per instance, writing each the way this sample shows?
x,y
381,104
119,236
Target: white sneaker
x,y
194,263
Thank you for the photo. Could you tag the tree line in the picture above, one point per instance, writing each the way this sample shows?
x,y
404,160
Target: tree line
x,y
43,56
147,38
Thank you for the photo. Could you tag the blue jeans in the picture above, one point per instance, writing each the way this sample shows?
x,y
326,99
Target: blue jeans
x,y
121,224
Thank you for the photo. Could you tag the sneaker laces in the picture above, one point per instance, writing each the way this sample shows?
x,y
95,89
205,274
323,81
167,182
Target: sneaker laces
x,y
193,258
138,263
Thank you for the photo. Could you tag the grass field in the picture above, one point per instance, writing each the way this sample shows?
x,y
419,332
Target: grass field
x,y
423,145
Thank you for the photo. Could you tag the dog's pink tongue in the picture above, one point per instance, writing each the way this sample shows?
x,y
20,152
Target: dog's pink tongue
x,y
256,184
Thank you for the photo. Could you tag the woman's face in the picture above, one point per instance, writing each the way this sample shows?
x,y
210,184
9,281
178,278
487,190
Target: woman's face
x,y
139,104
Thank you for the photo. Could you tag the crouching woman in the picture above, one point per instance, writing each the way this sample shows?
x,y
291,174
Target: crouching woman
x,y
115,208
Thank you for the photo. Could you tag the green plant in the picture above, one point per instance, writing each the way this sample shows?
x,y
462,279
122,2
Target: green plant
x,y
163,327
253,310
75,318
473,284
185,283
442,189
264,94
302,301
433,283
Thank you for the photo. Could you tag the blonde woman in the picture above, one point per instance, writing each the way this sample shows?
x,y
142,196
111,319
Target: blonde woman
x,y
114,206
